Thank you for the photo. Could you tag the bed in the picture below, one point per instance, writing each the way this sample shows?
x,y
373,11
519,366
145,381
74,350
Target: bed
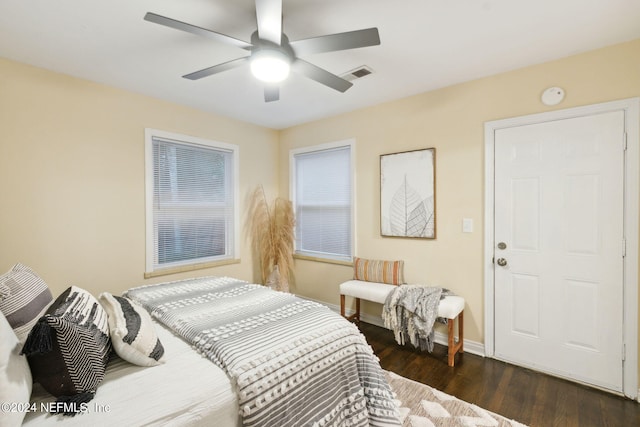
x,y
133,395
235,354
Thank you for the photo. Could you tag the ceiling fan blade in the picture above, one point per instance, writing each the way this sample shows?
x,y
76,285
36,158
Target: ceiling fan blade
x,y
320,75
183,26
269,17
234,63
339,41
271,93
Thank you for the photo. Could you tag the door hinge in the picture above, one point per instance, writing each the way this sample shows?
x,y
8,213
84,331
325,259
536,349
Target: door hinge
x,y
624,352
624,247
624,141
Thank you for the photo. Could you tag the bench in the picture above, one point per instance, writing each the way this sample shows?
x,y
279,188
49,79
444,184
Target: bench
x,y
451,307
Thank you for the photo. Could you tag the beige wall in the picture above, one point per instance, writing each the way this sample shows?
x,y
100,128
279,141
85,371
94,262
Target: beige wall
x,y
72,176
452,120
72,171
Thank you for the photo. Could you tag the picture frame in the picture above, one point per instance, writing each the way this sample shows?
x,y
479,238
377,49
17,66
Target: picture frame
x,y
407,194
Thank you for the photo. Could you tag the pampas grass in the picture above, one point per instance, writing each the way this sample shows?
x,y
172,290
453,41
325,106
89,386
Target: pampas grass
x,y
272,229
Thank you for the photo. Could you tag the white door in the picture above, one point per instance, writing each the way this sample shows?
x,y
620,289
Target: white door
x,y
559,247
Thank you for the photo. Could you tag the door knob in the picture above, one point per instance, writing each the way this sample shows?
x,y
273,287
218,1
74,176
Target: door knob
x,y
501,262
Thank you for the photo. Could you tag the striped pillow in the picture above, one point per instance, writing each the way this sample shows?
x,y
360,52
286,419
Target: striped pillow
x,y
133,333
391,272
24,298
68,349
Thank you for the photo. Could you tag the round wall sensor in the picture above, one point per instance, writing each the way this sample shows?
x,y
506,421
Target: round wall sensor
x,y
552,96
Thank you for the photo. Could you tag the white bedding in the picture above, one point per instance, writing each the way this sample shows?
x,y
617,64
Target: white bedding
x,y
149,396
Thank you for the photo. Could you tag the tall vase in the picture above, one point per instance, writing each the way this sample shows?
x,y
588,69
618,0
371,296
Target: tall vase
x,y
277,282
273,280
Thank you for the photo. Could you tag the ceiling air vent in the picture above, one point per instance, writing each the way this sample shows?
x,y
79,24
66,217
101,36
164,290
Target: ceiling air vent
x,y
357,73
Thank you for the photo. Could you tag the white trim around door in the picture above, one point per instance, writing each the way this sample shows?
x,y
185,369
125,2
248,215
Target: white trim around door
x,y
631,108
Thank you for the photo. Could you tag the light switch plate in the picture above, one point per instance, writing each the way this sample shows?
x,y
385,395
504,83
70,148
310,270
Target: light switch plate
x,y
467,225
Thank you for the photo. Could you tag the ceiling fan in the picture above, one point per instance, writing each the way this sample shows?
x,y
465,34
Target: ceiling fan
x,y
272,55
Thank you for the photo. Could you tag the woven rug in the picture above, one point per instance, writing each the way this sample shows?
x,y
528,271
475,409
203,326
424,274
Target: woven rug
x,y
424,406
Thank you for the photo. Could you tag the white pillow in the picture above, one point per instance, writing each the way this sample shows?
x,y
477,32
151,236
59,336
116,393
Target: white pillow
x,y
15,375
133,333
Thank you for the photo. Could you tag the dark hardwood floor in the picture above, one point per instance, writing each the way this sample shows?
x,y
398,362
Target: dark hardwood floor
x,y
529,397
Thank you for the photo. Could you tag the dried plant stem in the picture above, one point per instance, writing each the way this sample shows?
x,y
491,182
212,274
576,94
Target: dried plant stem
x,y
272,233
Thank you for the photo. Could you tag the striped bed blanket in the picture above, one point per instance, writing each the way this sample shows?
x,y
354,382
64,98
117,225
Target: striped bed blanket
x,y
294,362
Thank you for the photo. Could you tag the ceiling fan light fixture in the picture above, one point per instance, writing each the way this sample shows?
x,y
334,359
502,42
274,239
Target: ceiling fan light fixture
x,y
270,65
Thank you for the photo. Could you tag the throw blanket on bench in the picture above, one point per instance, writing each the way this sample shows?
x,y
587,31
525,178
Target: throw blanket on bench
x,y
410,312
294,362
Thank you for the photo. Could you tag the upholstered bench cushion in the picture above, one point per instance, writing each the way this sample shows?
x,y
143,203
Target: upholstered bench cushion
x,y
370,291
449,308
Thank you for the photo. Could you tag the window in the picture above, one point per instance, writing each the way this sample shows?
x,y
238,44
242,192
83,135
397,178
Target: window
x,y
191,187
322,183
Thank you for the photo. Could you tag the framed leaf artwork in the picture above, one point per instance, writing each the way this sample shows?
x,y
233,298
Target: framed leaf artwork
x,y
407,194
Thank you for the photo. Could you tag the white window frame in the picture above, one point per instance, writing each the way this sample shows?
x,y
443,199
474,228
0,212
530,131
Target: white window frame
x,y
150,134
351,143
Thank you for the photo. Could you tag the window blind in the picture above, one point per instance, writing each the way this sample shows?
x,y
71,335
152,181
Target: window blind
x,y
323,203
193,206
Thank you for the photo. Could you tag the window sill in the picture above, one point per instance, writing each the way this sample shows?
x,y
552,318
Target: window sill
x,y
191,267
325,260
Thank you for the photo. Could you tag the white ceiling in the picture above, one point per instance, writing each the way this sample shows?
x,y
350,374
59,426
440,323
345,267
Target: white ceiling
x,y
425,44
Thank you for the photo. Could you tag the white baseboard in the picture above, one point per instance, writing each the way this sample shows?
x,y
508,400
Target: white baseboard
x,y
472,347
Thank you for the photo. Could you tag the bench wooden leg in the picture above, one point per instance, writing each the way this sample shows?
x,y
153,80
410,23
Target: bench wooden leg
x,y
355,317
461,331
453,346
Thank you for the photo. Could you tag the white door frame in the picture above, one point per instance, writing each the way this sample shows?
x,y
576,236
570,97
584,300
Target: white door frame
x,y
631,107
